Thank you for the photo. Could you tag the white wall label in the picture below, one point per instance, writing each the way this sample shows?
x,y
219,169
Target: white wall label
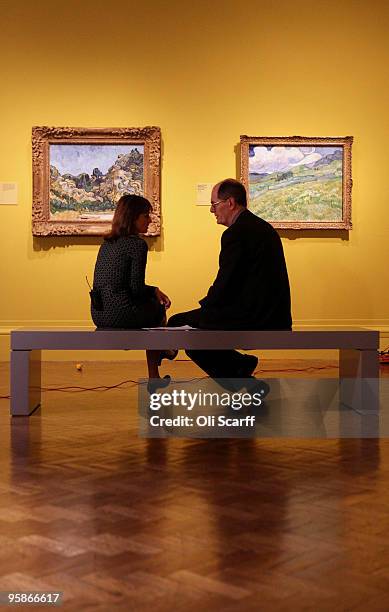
x,y
9,193
204,194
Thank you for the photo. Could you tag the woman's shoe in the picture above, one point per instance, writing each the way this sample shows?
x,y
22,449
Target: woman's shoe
x,y
167,355
158,383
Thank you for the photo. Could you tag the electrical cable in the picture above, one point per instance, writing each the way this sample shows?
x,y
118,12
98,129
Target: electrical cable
x,y
78,389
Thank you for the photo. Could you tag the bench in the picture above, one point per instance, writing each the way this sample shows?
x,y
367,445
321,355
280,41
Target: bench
x,y
358,352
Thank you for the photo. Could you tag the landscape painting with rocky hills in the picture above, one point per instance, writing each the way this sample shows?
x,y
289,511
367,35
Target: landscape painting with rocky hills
x,y
86,181
288,183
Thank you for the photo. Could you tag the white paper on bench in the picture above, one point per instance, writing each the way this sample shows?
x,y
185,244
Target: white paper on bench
x,y
182,328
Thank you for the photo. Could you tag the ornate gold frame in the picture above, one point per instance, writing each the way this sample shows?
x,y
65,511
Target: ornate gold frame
x,y
345,142
42,137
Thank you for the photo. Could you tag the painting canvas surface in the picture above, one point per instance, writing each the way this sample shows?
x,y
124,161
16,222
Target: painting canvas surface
x,y
87,180
293,183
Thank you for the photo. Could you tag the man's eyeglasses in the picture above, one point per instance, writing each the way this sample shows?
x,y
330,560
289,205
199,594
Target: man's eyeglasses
x,y
214,204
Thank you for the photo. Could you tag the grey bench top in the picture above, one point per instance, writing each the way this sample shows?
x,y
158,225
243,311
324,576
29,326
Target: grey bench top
x,y
88,338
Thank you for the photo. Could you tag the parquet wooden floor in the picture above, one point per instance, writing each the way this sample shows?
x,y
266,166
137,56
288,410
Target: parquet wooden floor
x,y
117,522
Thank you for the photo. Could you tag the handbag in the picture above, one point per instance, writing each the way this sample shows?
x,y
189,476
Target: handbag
x,y
96,297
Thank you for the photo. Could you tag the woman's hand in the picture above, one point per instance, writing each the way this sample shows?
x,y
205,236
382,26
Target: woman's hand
x,y
162,298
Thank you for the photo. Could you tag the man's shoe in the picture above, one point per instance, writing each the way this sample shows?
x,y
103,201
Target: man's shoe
x,y
248,367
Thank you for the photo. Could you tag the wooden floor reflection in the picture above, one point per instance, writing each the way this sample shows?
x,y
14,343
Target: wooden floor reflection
x,y
122,523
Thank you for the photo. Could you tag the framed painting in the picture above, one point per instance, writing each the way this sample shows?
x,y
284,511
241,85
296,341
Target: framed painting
x,y
79,174
298,182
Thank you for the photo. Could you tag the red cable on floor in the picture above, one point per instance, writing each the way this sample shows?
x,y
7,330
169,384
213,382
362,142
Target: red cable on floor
x,y
78,389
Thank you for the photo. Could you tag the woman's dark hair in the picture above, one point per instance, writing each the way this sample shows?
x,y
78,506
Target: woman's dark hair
x,y
126,213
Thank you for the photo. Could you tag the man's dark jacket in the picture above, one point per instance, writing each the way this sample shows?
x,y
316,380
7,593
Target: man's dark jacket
x,y
251,290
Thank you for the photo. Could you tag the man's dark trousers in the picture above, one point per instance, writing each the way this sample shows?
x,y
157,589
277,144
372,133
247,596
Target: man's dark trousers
x,y
216,363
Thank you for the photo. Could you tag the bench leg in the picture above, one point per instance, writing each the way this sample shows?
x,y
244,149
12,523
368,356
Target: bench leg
x,y
25,382
359,388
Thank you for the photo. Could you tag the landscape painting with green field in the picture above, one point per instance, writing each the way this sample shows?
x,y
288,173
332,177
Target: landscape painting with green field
x,y
292,183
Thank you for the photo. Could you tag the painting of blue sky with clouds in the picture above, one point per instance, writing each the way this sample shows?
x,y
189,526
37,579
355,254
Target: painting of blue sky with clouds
x,y
291,183
86,181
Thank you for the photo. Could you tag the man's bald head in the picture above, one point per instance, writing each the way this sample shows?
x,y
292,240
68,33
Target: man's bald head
x,y
228,200
231,188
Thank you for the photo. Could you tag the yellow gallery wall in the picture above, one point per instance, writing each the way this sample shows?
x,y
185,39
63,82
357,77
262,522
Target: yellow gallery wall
x,y
205,72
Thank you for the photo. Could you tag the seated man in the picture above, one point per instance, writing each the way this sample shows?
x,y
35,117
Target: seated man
x,y
251,289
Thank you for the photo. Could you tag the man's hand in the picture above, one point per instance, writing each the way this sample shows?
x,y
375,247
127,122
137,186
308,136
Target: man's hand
x,y
162,298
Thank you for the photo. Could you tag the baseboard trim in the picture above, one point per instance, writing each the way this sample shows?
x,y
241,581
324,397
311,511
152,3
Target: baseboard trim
x,y
382,325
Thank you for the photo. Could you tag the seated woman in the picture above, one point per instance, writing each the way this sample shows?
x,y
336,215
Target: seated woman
x,y
120,298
